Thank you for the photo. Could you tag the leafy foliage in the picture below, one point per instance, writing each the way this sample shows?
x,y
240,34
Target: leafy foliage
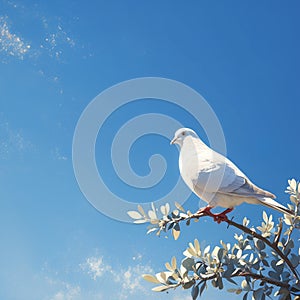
x,y
262,262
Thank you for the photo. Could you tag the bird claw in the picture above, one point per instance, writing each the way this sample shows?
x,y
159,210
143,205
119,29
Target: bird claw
x,y
206,211
221,217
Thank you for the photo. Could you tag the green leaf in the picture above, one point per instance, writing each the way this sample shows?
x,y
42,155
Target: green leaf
x,y
163,276
285,276
152,230
215,251
150,278
163,210
220,282
293,184
277,268
195,292
161,288
258,294
239,253
141,210
168,267
260,245
214,283
152,214
175,213
176,231
188,284
293,198
178,206
229,271
280,262
290,245
238,291
265,217
206,250
197,246
265,263
173,263
201,269
294,260
134,214
221,253
288,220
189,252
274,275
154,221
245,286
245,222
203,286
153,207
140,221
167,206
188,263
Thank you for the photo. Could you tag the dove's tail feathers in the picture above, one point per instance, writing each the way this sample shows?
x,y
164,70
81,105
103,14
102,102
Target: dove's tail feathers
x,y
275,205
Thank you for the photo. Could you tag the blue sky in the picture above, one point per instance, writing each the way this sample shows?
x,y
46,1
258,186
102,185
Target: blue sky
x,y
242,57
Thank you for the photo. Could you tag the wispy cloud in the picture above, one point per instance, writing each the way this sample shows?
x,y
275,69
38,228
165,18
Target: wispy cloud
x,y
11,44
137,257
131,280
95,267
128,280
69,292
12,141
56,153
54,39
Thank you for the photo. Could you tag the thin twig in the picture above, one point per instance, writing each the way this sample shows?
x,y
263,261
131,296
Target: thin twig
x,y
278,234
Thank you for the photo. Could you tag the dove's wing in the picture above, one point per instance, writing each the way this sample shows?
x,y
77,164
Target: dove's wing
x,y
224,177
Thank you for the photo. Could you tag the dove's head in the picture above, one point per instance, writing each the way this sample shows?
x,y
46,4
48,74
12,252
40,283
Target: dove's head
x,y
181,134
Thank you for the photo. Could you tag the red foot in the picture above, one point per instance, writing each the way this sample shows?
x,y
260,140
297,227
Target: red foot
x,y
221,217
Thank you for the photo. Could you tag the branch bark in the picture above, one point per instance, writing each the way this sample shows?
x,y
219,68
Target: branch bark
x,y
254,276
244,229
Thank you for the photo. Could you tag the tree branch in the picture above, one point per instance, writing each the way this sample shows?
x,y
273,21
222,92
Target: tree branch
x,y
245,229
254,276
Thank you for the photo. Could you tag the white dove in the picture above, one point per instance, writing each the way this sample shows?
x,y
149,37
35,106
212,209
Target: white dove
x,y
215,179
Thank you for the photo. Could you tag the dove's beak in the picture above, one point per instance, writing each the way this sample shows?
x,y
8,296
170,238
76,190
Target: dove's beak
x,y
173,141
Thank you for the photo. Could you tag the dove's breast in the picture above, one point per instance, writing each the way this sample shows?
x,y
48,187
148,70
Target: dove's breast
x,y
193,161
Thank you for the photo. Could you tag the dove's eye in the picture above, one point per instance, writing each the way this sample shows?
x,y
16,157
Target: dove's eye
x,y
183,133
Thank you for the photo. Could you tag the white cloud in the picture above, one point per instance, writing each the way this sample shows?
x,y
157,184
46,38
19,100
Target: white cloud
x,y
61,290
131,279
139,256
128,281
95,267
10,43
12,141
69,293
55,40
